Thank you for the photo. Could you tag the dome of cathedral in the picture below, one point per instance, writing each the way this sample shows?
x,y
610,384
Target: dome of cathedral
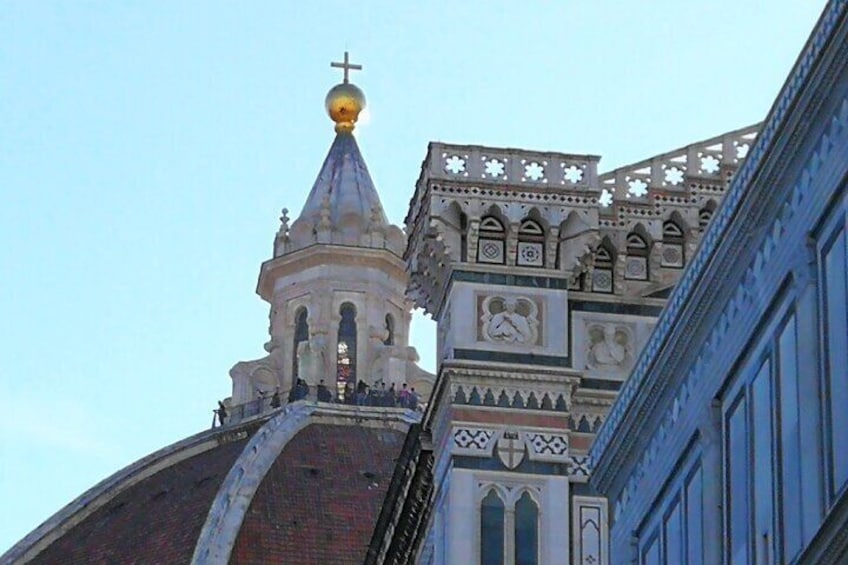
x,y
304,484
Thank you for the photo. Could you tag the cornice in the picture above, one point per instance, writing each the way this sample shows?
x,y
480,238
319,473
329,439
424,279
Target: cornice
x,y
327,254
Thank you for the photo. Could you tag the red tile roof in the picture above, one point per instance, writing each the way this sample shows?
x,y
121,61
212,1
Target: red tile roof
x,y
156,520
321,498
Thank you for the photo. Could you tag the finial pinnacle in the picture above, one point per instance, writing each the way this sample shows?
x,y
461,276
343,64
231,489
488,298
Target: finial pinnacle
x,y
345,101
284,221
347,66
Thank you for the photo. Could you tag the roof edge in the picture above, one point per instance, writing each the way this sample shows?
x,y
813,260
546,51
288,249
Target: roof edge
x,y
226,514
100,494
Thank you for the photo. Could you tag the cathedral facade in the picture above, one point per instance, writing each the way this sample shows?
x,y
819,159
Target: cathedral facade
x,y
551,283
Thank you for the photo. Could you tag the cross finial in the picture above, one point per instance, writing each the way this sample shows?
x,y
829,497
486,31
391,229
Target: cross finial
x,y
347,66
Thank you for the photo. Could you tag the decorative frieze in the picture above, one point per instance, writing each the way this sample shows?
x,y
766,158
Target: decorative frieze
x,y
553,445
579,466
511,397
511,445
473,441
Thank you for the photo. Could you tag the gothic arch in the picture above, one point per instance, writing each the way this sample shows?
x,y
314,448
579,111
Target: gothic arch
x,y
530,251
517,493
573,225
638,246
536,215
451,213
486,487
390,330
677,219
497,212
300,335
603,274
674,242
705,214
491,239
346,344
455,221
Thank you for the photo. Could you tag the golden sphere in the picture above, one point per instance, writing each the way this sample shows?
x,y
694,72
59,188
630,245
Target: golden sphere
x,y
344,103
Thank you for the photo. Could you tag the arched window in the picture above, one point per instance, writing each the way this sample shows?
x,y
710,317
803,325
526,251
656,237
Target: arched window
x,y
526,531
346,356
531,244
301,334
390,330
491,242
602,275
704,217
463,237
492,529
636,265
672,254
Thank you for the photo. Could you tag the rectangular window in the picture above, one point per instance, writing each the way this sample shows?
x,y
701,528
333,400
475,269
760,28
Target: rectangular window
x,y
835,342
761,424
695,519
675,524
736,456
673,535
790,431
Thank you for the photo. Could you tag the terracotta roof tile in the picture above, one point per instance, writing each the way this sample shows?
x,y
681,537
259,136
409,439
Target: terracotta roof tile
x,y
321,498
156,520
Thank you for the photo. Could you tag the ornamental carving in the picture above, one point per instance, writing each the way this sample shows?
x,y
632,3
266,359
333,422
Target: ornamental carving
x,y
610,346
511,448
509,320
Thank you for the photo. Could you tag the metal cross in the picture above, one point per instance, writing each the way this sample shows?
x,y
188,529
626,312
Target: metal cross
x,y
347,66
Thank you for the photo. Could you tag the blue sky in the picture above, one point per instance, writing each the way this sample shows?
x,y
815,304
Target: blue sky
x,y
146,149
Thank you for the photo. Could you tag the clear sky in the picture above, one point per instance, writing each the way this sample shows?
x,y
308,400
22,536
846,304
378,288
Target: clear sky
x,y
146,149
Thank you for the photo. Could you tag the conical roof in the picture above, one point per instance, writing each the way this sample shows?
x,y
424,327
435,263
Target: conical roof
x,y
344,187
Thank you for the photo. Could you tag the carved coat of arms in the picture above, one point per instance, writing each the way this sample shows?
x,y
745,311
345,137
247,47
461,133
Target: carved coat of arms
x,y
511,448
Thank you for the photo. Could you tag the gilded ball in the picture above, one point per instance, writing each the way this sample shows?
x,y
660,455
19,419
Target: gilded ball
x,y
344,103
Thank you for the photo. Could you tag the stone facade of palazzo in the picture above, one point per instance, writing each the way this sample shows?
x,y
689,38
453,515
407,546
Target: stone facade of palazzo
x,y
729,441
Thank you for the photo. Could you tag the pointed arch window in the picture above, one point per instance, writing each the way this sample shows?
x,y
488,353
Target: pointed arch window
x,y
673,240
602,274
463,237
704,217
301,335
636,265
526,531
346,351
531,244
491,241
492,529
390,330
